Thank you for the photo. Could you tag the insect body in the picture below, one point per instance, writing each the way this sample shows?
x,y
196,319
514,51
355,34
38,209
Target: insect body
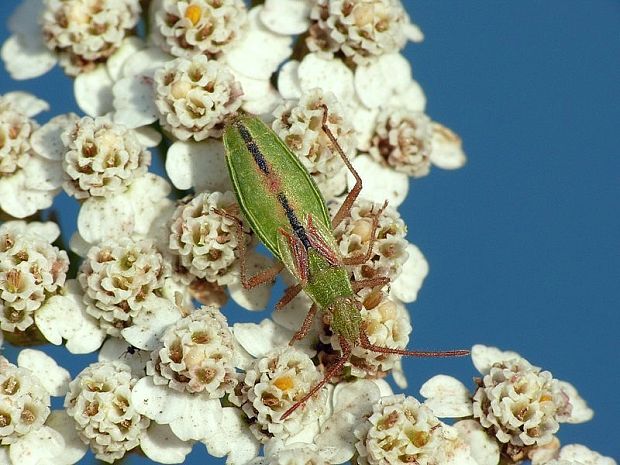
x,y
284,207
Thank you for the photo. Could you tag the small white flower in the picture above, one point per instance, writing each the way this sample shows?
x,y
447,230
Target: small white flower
x,y
102,158
118,277
205,241
198,27
271,386
82,33
298,124
32,271
197,355
515,402
100,402
29,177
401,430
24,403
194,96
360,29
402,140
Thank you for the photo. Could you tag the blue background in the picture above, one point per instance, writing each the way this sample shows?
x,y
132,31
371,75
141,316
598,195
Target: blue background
x,y
522,242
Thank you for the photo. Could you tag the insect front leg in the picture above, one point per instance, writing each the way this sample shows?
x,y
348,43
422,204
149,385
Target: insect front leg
x,y
366,344
371,282
289,294
262,277
345,208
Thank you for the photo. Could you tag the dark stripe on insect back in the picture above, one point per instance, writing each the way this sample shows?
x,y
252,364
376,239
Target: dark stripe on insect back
x,y
252,148
298,229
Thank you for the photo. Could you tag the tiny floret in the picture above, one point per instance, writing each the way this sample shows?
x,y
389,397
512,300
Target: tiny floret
x,y
84,33
99,401
271,386
102,158
197,355
403,141
199,27
24,402
118,277
205,241
362,30
194,97
31,271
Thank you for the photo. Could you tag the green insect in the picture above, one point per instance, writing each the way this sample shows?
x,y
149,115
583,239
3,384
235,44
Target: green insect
x,y
284,207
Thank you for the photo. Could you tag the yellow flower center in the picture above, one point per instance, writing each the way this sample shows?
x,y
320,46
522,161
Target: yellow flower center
x,y
284,383
193,13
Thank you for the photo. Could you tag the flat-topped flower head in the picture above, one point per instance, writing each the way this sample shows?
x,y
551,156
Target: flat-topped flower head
x,y
194,96
197,355
83,33
118,277
518,403
403,140
403,431
15,131
99,400
271,386
24,402
361,30
31,271
205,241
102,158
198,27
298,124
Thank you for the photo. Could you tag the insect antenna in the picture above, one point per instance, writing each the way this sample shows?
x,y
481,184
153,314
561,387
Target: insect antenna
x,y
366,344
333,371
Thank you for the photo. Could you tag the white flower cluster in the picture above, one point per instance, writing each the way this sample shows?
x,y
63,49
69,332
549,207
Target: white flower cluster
x,y
328,77
99,401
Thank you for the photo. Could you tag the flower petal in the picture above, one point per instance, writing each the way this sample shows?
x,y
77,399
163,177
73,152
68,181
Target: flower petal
x,y
411,98
148,136
129,48
447,148
133,100
406,286
483,448
115,348
583,455
447,397
74,448
54,378
231,436
101,218
200,165
20,202
158,313
288,80
36,447
483,357
380,182
331,75
26,103
250,57
93,91
257,297
191,424
46,140
580,411
46,175
377,82
159,443
287,17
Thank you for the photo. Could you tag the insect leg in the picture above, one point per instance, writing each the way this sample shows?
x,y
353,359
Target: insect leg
x,y
289,294
362,258
345,208
333,371
305,326
259,278
366,344
371,282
